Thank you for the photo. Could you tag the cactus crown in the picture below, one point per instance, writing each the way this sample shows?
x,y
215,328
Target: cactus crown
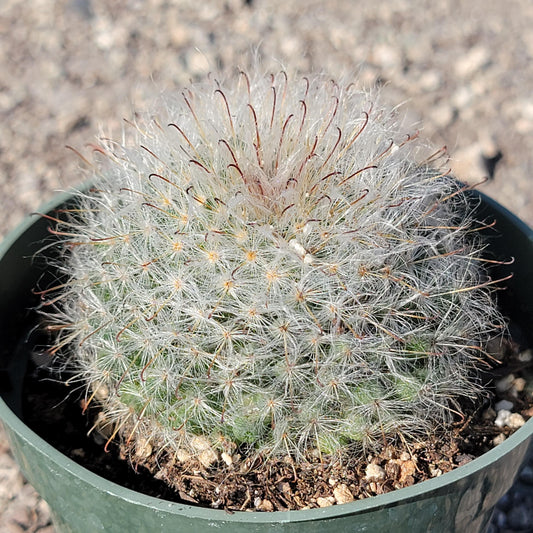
x,y
275,269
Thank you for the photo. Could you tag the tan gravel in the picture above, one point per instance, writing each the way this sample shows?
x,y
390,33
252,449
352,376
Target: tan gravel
x,y
72,68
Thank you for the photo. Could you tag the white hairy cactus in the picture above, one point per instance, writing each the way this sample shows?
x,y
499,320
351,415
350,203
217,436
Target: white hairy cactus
x,y
269,264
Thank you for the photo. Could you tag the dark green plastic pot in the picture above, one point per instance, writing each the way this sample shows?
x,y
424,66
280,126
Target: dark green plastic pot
x,y
459,501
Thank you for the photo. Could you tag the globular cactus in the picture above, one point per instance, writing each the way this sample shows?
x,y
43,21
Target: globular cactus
x,y
269,264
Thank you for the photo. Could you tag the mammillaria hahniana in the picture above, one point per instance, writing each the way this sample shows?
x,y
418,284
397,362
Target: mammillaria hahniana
x,y
269,264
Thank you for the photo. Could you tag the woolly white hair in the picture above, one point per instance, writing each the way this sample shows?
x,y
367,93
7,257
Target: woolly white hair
x,y
267,263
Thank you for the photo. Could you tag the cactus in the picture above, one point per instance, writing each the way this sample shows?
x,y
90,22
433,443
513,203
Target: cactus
x,y
270,265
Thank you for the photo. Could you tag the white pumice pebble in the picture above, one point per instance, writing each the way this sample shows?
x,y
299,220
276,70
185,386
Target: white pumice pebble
x,y
374,472
519,384
498,439
342,494
228,459
526,356
502,418
515,421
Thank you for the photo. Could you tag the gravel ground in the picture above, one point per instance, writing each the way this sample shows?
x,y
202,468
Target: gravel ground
x,y
72,68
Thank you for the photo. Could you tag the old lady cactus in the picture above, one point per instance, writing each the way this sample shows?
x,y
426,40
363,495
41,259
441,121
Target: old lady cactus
x,y
269,264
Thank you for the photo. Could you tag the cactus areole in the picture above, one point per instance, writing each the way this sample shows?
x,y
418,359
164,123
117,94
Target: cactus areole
x,y
269,268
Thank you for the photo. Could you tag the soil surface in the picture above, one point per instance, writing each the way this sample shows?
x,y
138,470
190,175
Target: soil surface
x,y
69,67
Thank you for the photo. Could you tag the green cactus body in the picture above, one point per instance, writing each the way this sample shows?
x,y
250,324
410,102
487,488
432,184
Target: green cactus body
x,y
275,270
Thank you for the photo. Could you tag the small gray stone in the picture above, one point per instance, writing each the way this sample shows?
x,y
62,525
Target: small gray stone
x,y
504,404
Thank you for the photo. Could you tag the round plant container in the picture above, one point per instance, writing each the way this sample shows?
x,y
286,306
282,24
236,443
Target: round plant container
x,y
81,501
